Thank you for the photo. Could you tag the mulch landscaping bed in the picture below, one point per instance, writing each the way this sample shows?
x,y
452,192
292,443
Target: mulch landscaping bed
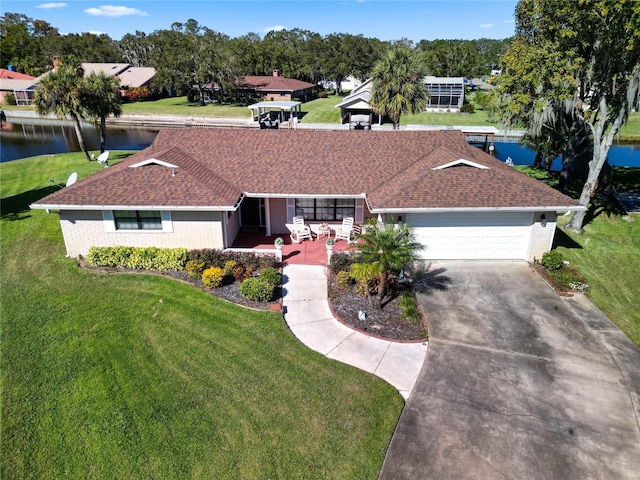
x,y
387,323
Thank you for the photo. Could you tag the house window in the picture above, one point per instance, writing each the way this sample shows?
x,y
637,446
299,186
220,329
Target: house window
x,y
325,208
137,220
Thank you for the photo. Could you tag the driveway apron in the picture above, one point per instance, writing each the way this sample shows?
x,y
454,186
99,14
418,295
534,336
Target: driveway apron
x,y
518,383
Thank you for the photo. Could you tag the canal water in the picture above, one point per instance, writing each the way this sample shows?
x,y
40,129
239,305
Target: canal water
x,y
619,155
41,137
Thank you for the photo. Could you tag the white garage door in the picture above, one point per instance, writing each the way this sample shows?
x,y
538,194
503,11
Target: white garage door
x,y
495,235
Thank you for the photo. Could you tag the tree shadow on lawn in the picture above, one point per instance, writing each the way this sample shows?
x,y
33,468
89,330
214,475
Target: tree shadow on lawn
x,y
14,208
562,239
607,205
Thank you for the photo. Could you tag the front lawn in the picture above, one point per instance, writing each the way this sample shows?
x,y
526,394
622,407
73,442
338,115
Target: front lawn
x,y
139,376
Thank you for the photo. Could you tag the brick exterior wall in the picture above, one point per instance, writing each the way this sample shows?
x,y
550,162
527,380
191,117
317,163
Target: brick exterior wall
x,y
541,237
85,229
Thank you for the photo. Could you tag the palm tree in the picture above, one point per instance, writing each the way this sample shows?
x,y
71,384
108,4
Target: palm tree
x,y
101,98
398,84
391,246
59,92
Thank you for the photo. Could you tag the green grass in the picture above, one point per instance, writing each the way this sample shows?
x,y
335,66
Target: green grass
x,y
180,106
607,253
322,110
139,376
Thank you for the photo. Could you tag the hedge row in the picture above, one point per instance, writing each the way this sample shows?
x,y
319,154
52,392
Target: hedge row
x,y
138,258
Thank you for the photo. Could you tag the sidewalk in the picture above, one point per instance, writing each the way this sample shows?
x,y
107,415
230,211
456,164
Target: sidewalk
x,y
309,318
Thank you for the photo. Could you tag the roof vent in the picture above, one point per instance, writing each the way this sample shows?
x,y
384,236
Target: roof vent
x,y
459,162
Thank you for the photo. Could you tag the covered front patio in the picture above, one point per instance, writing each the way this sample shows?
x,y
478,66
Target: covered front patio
x,y
306,252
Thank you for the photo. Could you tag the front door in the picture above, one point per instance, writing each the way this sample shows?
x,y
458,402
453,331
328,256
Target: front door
x,y
252,213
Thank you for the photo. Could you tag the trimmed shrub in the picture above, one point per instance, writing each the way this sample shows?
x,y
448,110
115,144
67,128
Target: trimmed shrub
x,y
341,261
248,273
195,268
151,258
213,277
210,256
343,280
258,289
230,267
268,261
272,275
467,108
552,260
238,273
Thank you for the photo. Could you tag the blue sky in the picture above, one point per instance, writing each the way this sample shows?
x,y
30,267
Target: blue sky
x,y
383,19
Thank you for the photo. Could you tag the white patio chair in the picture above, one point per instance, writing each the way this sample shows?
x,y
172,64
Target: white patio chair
x,y
344,231
300,231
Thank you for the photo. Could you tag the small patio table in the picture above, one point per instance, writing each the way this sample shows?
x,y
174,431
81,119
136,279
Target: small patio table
x,y
321,230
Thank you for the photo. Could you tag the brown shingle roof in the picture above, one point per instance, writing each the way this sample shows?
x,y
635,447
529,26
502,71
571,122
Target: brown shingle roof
x,y
394,170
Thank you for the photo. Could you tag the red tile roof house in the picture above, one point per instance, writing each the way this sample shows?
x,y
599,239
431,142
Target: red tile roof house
x,y
197,188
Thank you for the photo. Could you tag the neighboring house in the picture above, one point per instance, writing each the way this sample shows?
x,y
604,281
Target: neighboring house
x,y
18,84
198,188
128,75
349,84
275,87
264,88
445,93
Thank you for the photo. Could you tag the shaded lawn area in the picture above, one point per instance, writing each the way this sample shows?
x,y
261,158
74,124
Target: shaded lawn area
x,y
138,376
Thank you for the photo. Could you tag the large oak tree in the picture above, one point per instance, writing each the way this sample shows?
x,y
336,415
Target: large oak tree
x,y
571,76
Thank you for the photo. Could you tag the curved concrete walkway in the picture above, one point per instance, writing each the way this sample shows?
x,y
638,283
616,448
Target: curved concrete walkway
x,y
310,319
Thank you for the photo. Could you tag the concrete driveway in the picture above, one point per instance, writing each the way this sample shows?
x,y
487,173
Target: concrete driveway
x,y
518,383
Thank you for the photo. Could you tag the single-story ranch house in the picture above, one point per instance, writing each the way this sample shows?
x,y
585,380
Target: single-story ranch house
x,y
198,188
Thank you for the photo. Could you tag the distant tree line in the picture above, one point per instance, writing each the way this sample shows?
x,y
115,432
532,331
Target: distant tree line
x,y
191,53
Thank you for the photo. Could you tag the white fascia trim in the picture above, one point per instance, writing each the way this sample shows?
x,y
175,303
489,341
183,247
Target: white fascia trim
x,y
153,161
574,208
302,195
461,161
135,207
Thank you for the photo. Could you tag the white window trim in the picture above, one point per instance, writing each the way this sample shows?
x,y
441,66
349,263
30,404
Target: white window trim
x,y
109,223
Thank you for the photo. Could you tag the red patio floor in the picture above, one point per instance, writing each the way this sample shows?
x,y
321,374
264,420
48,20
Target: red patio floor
x,y
304,253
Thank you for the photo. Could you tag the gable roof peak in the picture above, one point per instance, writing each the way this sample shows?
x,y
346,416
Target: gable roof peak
x,y
460,161
153,161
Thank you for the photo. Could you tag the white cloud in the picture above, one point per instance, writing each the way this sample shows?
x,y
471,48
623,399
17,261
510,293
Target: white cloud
x,y
51,5
275,28
114,11
486,25
511,20
96,32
